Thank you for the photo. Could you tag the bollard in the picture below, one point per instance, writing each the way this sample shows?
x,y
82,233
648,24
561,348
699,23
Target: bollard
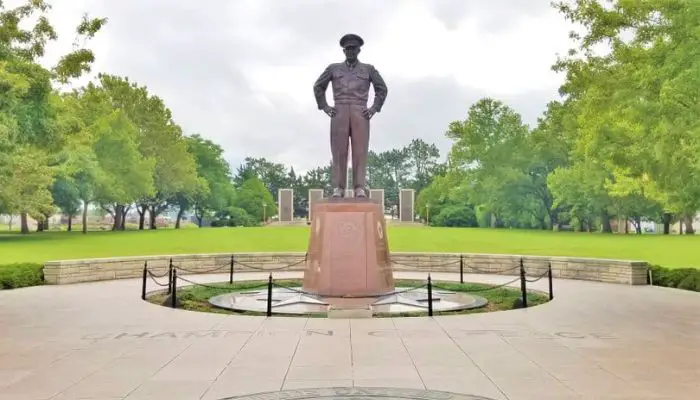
x,y
170,276
549,275
230,274
143,283
461,268
430,297
173,295
269,296
523,288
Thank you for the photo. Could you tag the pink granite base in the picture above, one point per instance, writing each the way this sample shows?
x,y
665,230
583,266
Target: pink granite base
x,y
348,252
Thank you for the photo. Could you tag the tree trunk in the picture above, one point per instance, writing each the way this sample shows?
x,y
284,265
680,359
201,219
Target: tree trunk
x,y
45,222
142,215
122,223
152,217
667,223
70,223
689,230
85,209
637,221
605,222
179,217
40,226
24,225
118,212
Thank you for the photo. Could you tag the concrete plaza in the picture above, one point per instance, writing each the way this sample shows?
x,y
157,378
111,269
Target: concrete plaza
x,y
100,341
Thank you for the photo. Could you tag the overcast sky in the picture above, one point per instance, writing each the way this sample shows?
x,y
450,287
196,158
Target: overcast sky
x,y
241,71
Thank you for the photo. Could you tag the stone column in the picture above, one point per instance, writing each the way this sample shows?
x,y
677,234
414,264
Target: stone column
x,y
285,205
377,196
406,210
314,196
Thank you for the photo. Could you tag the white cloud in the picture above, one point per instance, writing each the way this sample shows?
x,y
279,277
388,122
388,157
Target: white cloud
x,y
241,72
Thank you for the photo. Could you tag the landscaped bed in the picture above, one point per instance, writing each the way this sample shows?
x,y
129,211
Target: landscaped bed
x,y
196,297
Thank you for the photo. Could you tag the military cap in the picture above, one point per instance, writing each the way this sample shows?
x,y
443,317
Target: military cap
x,y
351,39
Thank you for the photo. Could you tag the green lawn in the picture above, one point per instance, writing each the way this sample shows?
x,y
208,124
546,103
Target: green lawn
x,y
669,251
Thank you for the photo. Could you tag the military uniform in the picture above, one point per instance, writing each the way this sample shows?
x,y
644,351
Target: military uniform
x,y
350,84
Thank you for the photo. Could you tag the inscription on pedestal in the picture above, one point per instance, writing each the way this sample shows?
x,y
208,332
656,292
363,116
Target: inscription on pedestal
x,y
406,199
285,205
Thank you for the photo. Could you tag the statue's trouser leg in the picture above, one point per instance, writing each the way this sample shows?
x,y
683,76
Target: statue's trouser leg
x,y
340,133
359,134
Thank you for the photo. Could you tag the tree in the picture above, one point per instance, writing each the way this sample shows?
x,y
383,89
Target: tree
x,y
252,196
66,197
423,160
488,149
640,108
217,190
28,138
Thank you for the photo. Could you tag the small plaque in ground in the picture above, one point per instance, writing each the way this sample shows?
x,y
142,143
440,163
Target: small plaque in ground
x,y
357,393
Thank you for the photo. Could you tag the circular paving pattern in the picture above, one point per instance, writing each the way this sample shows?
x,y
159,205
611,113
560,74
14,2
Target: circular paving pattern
x,y
355,393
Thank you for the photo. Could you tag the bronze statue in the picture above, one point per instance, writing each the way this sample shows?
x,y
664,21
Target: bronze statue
x,y
350,116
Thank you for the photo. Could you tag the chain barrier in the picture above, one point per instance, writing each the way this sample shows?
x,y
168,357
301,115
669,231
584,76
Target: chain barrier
x,y
270,269
158,276
426,266
208,271
153,278
483,271
481,289
546,272
396,292
218,287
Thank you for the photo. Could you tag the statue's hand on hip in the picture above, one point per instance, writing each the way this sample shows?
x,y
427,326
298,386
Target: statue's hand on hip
x,y
331,111
368,113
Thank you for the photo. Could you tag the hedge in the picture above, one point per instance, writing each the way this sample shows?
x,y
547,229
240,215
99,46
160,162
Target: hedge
x,y
13,276
679,278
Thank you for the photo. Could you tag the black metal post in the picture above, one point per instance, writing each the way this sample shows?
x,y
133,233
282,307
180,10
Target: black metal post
x,y
461,268
173,295
549,275
430,296
143,282
523,288
269,296
230,274
170,276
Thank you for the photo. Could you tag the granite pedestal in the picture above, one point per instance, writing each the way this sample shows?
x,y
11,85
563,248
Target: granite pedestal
x,y
348,253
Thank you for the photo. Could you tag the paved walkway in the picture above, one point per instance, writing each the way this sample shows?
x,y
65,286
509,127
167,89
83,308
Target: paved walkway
x,y
99,341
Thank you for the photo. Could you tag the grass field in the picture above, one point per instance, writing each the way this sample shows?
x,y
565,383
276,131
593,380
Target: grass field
x,y
670,251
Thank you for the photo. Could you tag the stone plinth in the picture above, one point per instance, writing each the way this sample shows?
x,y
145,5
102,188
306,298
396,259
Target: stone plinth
x,y
406,205
377,196
314,196
348,250
285,205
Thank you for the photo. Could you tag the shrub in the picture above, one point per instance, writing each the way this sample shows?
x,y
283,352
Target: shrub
x,y
13,276
679,278
455,216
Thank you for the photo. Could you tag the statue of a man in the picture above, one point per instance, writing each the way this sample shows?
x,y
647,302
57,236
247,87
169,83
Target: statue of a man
x,y
349,115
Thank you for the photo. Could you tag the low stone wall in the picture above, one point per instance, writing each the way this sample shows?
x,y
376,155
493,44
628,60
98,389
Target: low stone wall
x,y
611,271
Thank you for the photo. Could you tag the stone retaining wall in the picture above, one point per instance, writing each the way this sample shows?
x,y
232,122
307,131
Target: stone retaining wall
x,y
612,271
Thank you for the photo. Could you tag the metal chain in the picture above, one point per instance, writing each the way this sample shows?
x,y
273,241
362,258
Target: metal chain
x,y
426,266
270,269
153,278
351,297
217,287
482,289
